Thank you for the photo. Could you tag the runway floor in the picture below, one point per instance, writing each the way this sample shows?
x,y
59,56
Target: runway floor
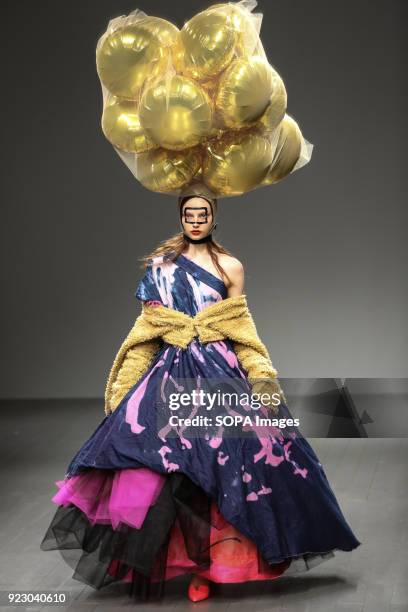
x,y
368,476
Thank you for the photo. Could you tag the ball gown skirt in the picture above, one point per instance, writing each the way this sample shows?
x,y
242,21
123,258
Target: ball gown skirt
x,y
142,504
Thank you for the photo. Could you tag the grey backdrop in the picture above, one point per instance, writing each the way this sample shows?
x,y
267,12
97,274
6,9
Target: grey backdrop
x,y
324,250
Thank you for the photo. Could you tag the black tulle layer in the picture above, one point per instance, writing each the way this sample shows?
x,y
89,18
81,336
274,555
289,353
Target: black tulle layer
x,y
101,555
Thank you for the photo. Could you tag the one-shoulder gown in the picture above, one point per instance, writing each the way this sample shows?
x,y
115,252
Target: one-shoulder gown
x,y
143,503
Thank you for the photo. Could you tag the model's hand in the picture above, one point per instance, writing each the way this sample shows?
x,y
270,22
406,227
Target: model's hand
x,y
269,392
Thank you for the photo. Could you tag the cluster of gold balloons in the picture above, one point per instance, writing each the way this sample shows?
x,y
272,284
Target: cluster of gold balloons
x,y
200,102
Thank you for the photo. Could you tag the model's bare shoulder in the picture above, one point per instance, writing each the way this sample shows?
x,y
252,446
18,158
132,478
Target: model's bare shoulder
x,y
231,264
235,270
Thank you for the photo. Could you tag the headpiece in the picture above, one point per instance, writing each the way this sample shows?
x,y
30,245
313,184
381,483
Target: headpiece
x,y
199,189
201,103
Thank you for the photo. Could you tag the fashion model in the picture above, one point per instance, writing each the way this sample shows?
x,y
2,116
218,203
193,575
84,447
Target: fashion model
x,y
153,494
197,466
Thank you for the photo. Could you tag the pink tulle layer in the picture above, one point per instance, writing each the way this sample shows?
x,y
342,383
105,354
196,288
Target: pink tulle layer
x,y
124,496
112,497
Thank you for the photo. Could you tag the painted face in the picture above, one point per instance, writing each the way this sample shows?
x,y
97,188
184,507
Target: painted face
x,y
196,217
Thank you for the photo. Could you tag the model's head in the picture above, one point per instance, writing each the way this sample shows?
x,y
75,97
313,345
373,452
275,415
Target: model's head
x,y
197,212
197,217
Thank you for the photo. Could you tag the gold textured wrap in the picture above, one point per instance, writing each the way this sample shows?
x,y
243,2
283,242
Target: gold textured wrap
x,y
229,318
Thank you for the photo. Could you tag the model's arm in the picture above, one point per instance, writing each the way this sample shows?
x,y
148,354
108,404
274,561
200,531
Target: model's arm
x,y
235,271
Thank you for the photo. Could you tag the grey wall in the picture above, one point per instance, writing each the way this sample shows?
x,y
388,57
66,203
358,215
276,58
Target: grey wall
x,y
324,250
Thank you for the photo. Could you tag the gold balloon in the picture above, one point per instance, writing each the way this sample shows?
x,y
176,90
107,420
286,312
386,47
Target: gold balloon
x,y
237,163
166,171
176,113
127,57
245,24
121,126
206,44
276,108
201,103
287,150
165,31
244,92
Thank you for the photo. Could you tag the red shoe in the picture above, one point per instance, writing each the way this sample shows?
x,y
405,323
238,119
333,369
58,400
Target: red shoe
x,y
198,593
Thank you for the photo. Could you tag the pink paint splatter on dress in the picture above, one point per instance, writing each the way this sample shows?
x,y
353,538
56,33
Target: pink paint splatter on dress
x,y
170,467
162,433
252,496
222,458
303,472
177,385
267,452
216,440
229,356
163,275
163,384
133,404
286,450
196,352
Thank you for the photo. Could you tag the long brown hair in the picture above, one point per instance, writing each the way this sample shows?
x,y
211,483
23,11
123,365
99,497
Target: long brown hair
x,y
174,246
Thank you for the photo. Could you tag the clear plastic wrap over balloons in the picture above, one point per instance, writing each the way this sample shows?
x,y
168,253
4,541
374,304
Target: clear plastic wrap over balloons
x,y
201,102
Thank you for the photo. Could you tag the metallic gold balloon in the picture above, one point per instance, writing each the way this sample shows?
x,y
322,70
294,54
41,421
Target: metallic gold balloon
x,y
244,91
176,113
164,30
166,171
287,150
237,163
246,25
121,126
206,44
127,57
276,108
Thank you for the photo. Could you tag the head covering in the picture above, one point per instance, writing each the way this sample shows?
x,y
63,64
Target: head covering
x,y
199,189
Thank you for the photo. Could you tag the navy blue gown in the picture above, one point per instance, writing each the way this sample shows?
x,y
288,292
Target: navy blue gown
x,y
265,480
